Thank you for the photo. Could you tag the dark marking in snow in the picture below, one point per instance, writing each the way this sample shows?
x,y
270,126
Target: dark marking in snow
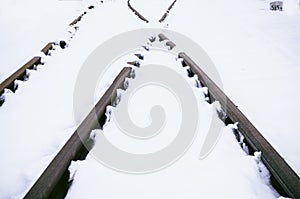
x,y
190,72
140,56
134,63
146,48
25,76
2,99
183,63
152,39
62,44
91,7
76,20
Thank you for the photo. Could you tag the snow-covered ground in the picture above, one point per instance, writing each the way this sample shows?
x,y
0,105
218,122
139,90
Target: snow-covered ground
x,y
228,172
27,26
40,113
255,51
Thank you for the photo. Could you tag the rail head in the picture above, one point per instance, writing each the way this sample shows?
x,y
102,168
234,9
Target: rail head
x,y
278,167
19,74
46,183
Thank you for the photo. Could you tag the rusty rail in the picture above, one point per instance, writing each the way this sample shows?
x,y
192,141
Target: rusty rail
x,y
167,12
136,12
285,180
53,183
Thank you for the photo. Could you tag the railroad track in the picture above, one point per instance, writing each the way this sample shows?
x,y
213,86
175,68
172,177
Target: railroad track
x,y
167,12
283,178
23,72
54,182
136,12
140,16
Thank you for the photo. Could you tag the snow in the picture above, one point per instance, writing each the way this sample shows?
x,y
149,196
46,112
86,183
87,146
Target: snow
x,y
256,55
27,26
189,177
40,112
215,177
255,51
39,125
